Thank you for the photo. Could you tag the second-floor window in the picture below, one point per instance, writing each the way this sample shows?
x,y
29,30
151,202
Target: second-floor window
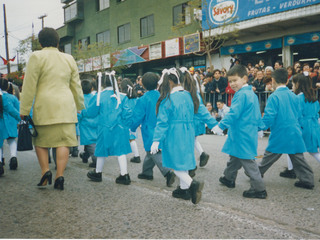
x,y
83,43
103,37
70,12
103,4
181,14
124,33
146,26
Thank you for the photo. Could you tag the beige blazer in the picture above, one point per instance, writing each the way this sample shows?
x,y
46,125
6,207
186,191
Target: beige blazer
x,y
52,81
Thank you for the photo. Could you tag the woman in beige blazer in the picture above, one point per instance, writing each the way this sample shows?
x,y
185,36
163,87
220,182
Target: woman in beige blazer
x,y
52,86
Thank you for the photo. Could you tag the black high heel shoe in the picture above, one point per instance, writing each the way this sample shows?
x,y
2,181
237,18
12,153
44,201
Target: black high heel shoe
x,y
58,183
46,176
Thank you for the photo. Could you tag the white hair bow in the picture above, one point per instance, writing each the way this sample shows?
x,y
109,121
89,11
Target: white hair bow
x,y
184,69
117,93
168,71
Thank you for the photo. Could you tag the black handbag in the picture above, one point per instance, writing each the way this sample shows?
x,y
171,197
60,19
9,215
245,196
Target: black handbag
x,y
25,134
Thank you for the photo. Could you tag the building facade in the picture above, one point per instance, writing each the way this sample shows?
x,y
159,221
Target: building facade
x,y
140,36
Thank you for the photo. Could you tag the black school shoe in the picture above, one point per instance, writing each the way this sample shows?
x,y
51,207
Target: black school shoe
x,y
144,176
13,164
227,183
84,156
94,176
288,174
203,159
305,185
135,159
123,179
195,191
255,194
1,168
170,178
181,193
192,172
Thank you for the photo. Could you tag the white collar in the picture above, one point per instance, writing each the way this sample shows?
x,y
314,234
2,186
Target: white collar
x,y
176,89
246,85
108,88
282,86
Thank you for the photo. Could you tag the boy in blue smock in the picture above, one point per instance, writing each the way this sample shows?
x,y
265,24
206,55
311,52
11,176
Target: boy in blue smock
x,y
114,119
281,115
87,127
242,122
5,107
145,115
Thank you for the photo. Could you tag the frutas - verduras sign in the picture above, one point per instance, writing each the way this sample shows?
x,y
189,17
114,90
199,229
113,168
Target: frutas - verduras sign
x,y
218,12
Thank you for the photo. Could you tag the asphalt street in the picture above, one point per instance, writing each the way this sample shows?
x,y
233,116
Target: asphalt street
x,y
146,209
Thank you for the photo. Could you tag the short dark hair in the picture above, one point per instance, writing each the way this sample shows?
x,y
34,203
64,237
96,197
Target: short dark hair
x,y
209,74
48,37
216,70
238,70
280,75
86,86
220,101
279,62
150,80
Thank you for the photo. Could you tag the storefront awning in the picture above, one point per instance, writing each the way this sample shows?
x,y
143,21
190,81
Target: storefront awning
x,y
252,47
302,38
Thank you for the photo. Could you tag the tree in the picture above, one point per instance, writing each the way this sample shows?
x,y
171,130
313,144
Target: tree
x,y
210,40
24,50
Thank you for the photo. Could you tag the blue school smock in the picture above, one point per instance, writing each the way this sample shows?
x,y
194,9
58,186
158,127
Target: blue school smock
x,y
144,114
281,115
199,126
10,122
7,108
132,103
113,124
175,131
243,122
87,126
309,123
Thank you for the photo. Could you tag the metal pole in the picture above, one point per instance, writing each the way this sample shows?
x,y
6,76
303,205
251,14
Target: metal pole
x,y
6,37
42,19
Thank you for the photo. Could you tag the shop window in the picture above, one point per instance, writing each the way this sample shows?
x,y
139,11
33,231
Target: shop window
x,y
147,26
119,1
83,43
124,33
102,4
181,14
103,37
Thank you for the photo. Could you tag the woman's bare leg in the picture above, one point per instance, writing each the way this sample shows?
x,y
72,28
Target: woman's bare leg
x,y
62,160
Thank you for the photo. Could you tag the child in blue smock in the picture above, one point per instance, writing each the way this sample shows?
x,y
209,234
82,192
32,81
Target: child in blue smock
x,y
202,116
175,132
6,106
144,114
127,88
243,122
302,86
114,119
87,127
11,125
281,115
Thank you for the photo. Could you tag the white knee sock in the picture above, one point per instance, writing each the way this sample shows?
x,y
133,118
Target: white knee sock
x,y
290,166
316,156
185,179
1,155
134,148
197,145
123,164
13,146
100,163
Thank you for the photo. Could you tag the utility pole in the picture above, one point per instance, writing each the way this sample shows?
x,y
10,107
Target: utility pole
x,y
42,19
6,37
